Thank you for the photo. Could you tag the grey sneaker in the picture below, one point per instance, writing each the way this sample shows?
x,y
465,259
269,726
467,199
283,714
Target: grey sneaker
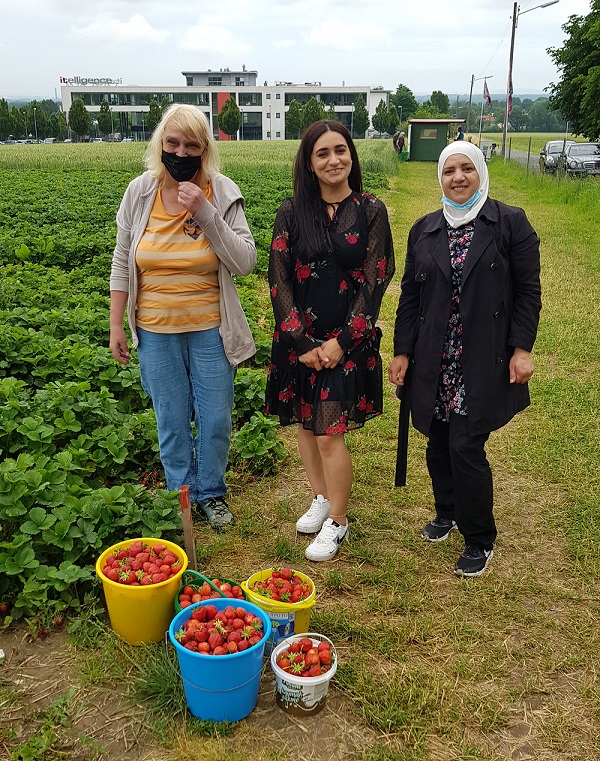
x,y
473,561
217,512
438,529
314,517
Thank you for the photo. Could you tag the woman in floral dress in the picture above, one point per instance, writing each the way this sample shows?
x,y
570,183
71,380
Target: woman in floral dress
x,y
331,261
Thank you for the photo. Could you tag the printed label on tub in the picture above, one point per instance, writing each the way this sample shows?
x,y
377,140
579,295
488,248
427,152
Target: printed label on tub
x,y
282,625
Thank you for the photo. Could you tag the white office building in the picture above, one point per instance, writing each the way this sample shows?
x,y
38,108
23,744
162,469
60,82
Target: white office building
x,y
263,107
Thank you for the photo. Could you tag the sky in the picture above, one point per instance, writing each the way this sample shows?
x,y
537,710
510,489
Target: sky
x,y
427,45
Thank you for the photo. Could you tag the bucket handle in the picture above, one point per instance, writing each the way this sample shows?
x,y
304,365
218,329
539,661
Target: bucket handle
x,y
196,686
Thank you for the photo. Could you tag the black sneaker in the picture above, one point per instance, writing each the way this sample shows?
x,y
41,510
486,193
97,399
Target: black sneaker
x,y
438,529
217,512
473,561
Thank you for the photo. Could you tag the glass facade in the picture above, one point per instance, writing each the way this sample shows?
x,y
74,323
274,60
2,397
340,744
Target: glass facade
x,y
250,99
215,81
122,98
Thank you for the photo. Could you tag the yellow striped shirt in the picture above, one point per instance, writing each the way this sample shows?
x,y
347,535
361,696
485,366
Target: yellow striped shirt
x,y
178,286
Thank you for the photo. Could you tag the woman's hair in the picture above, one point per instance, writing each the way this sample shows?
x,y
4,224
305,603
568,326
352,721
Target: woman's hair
x,y
307,192
193,123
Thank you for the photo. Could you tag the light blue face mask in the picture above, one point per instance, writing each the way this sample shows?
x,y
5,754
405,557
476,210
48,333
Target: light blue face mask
x,y
466,205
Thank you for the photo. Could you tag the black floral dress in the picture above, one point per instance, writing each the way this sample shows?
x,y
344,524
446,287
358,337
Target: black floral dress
x,y
451,384
332,293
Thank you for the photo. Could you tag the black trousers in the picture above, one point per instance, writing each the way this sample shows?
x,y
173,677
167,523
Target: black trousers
x,y
462,479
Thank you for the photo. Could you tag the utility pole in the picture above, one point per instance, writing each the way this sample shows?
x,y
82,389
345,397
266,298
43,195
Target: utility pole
x,y
509,86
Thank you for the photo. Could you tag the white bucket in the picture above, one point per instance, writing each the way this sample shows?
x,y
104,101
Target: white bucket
x,y
302,695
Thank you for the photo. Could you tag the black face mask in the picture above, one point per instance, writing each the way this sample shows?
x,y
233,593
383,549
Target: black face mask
x,y
181,168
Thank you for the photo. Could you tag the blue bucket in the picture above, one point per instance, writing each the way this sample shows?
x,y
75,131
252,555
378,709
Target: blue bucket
x,y
220,687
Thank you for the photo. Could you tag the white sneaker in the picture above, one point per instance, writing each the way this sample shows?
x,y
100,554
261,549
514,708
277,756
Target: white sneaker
x,y
314,517
327,542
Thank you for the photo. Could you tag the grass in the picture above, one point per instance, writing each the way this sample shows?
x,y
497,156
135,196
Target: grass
x,y
433,668
519,141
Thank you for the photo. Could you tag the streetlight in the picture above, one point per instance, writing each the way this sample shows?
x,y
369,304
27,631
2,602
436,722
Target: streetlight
x,y
35,124
242,123
515,21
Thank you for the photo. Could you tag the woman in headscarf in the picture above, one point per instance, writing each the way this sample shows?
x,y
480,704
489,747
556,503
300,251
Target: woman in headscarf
x,y
466,324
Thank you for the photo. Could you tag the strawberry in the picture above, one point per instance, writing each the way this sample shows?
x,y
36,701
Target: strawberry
x,y
325,657
314,671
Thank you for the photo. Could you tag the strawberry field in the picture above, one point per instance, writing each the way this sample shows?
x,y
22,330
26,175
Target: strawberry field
x,y
80,468
427,667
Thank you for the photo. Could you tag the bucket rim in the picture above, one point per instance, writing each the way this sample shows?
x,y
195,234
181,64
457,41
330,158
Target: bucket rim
x,y
181,554
219,603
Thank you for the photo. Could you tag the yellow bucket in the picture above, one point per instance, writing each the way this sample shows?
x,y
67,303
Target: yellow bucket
x,y
141,614
286,618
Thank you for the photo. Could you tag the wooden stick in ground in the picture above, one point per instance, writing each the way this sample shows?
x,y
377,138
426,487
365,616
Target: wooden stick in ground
x,y
188,526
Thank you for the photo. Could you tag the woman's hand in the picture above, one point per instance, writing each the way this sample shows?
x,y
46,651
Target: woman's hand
x,y
311,359
520,366
118,345
190,196
330,353
397,369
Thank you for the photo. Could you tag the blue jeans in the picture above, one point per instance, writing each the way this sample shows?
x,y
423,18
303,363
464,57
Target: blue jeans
x,y
189,378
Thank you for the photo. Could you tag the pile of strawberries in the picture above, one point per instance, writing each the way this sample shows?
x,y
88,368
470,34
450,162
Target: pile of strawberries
x,y
283,585
141,564
197,593
304,658
220,632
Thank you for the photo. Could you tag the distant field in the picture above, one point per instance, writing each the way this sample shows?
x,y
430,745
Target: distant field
x,y
520,141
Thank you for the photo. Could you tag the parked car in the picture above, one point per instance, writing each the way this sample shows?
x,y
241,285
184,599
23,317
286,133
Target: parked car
x,y
580,160
550,153
127,140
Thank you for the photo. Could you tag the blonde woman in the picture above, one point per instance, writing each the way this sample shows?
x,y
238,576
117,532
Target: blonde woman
x,y
181,235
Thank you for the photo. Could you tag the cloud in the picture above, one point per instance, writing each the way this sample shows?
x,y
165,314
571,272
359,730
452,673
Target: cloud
x,y
209,38
136,29
336,34
283,44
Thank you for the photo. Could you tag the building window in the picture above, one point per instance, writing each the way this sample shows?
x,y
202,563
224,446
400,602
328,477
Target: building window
x,y
215,81
268,96
278,134
278,95
268,134
250,99
189,81
269,115
240,81
278,115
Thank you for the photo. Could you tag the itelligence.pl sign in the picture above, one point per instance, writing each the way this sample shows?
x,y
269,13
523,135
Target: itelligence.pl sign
x,y
89,81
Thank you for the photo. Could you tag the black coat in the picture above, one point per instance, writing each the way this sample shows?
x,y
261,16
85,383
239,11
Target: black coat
x,y
500,302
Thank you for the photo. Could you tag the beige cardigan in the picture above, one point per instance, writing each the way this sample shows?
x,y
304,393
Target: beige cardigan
x,y
224,224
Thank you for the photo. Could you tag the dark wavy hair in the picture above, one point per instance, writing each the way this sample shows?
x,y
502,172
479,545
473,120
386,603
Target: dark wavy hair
x,y
307,192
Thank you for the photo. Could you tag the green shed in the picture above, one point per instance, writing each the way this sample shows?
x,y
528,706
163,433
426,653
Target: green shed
x,y
427,138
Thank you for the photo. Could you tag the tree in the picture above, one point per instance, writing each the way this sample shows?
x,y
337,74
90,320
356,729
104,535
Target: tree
x,y
331,115
105,119
440,101
79,119
154,115
381,117
312,111
577,94
58,125
230,118
293,120
360,118
393,119
405,102
5,120
165,103
17,117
